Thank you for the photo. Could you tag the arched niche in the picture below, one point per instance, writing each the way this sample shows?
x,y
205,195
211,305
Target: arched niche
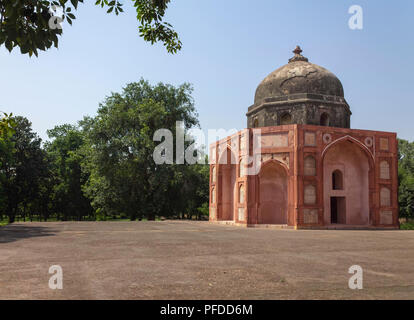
x,y
242,167
351,204
273,193
337,180
286,118
226,185
325,120
241,194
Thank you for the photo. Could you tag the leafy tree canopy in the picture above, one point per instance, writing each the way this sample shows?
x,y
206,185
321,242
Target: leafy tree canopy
x,y
33,25
65,156
7,150
123,175
23,169
7,124
406,178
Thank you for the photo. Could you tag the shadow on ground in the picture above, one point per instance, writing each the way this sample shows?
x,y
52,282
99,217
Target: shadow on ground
x,y
15,232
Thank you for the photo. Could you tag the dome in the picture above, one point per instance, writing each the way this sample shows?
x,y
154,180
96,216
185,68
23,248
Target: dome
x,y
298,76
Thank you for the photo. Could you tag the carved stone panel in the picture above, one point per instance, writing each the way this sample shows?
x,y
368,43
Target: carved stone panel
x,y
385,197
384,144
310,194
384,170
274,140
310,216
310,139
309,166
386,217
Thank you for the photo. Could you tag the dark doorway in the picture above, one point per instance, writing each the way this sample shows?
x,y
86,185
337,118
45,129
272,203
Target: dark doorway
x,y
338,213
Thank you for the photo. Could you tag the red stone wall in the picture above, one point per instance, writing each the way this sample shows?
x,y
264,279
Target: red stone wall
x,y
299,151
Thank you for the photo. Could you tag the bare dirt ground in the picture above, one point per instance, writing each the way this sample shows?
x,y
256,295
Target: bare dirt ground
x,y
198,260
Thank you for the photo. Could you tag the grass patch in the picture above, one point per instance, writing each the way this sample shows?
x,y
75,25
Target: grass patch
x,y
3,222
407,225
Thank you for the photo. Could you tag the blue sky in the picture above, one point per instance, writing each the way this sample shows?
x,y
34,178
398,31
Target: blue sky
x,y
228,48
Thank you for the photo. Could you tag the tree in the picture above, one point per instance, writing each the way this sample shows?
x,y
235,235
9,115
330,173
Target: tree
x,y
406,178
7,125
195,190
66,158
123,175
33,25
23,171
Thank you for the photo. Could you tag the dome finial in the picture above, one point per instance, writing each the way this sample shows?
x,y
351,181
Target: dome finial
x,y
298,56
297,50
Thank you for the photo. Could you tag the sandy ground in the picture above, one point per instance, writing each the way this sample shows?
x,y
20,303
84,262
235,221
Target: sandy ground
x,y
199,260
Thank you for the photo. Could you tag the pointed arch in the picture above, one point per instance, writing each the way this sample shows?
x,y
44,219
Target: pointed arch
x,y
276,162
348,176
273,193
229,153
353,140
226,185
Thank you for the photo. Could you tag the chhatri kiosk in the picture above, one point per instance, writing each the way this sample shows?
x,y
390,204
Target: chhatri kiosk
x,y
311,170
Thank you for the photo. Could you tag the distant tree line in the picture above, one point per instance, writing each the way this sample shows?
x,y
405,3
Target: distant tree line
x,y
103,167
